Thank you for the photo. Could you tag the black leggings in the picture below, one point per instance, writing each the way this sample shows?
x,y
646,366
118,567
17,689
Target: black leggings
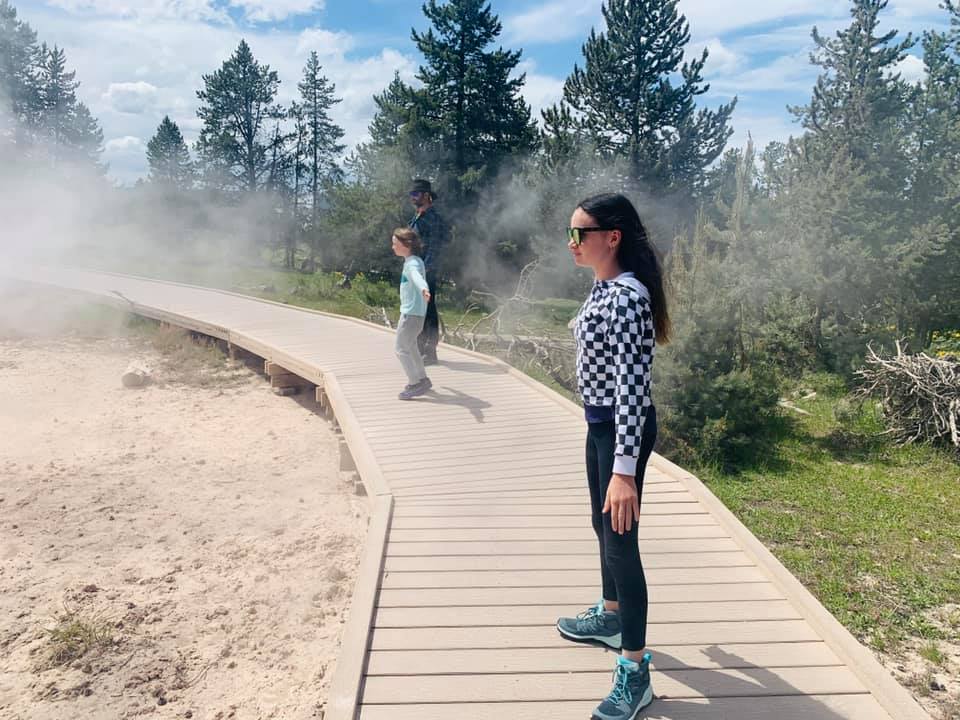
x,y
430,335
620,566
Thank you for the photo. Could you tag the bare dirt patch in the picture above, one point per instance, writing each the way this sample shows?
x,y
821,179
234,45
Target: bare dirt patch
x,y
931,668
184,549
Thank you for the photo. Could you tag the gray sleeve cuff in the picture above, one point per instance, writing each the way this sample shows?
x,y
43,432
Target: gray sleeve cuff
x,y
625,465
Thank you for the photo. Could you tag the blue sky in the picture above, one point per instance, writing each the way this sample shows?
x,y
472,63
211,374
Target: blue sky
x,y
141,59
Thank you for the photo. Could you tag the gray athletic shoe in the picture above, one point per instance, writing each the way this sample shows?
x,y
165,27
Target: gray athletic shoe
x,y
631,692
412,391
595,626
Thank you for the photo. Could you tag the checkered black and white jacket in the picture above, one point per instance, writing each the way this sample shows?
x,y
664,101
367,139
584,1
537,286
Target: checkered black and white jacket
x,y
615,347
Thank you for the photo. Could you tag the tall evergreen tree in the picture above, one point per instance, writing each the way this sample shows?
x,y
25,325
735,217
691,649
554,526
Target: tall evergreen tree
x,y
68,128
19,91
858,93
636,97
168,157
848,189
470,106
238,103
58,93
561,140
299,141
934,185
323,145
394,109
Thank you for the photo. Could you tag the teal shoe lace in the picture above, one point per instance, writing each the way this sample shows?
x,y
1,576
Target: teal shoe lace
x,y
591,619
621,691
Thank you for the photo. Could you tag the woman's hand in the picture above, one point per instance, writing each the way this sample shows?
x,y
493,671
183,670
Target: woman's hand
x,y
622,502
426,295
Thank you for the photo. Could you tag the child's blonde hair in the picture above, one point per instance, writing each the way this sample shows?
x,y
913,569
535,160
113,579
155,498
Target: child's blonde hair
x,y
410,239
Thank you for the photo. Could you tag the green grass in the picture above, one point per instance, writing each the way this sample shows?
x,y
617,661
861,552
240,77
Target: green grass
x,y
933,654
946,344
75,635
873,530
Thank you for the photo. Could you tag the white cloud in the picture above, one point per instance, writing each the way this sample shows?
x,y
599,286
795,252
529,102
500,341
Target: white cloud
x,y
710,18
916,8
764,129
552,22
790,73
253,10
539,90
270,10
911,69
131,97
558,20
183,9
125,144
324,42
721,60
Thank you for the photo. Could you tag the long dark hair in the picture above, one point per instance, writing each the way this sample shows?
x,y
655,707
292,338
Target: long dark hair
x,y
635,253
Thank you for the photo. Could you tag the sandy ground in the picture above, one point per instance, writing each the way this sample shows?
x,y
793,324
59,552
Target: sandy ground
x,y
931,669
189,550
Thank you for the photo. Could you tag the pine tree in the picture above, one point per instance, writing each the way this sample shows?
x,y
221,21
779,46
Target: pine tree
x,y
169,158
323,145
934,196
857,95
69,130
470,106
561,141
85,138
58,93
299,139
19,91
393,114
628,101
237,105
850,175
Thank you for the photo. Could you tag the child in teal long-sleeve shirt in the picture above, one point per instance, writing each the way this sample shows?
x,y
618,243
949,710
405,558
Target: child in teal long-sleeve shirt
x,y
414,296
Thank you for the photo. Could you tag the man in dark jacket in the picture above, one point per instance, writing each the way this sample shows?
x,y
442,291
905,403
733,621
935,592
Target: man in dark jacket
x,y
433,233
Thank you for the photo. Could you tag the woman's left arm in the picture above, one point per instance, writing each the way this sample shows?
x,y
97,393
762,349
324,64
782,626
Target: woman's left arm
x,y
631,340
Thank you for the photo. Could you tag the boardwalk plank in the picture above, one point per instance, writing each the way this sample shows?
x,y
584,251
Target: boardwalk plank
x,y
536,687
451,535
586,659
575,597
802,707
556,547
494,615
718,567
579,521
509,637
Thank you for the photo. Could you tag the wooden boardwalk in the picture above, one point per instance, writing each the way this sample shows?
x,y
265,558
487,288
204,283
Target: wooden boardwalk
x,y
480,537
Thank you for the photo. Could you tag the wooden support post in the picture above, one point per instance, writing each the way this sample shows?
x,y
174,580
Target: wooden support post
x,y
347,463
287,380
271,368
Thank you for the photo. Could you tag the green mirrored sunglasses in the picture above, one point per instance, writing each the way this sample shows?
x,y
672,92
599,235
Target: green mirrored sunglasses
x,y
578,235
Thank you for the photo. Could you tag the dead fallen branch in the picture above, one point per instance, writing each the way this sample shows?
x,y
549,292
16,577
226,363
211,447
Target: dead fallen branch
x,y
552,355
919,395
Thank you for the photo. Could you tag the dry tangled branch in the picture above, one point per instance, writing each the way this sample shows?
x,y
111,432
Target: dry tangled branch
x,y
552,355
919,395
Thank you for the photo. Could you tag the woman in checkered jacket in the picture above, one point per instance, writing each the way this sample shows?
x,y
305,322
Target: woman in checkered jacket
x,y
616,331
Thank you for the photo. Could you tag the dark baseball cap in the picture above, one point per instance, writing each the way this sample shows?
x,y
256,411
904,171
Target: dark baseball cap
x,y
421,185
